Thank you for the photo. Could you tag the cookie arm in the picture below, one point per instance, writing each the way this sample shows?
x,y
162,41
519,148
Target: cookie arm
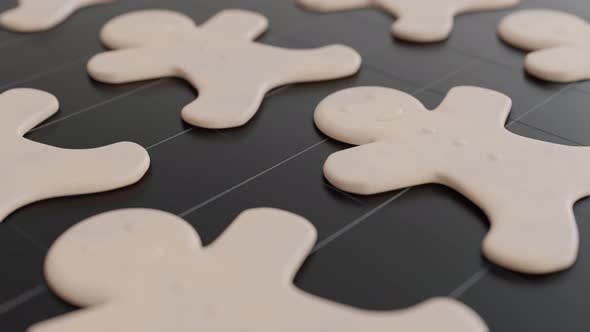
x,y
130,65
41,15
236,23
324,63
23,109
549,64
379,167
486,108
267,239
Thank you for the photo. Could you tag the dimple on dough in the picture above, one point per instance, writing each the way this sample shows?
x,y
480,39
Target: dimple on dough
x,y
32,171
559,41
526,187
142,270
41,15
231,72
422,21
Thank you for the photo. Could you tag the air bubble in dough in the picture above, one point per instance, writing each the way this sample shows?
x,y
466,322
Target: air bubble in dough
x,y
219,58
143,270
526,187
41,15
32,171
560,43
421,21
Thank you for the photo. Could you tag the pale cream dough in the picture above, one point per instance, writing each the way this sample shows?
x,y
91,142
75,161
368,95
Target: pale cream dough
x,y
41,15
32,171
219,58
142,270
560,43
526,187
422,21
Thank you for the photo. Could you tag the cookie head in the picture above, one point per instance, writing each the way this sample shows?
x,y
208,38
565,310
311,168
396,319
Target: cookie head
x,y
141,28
367,114
112,253
539,29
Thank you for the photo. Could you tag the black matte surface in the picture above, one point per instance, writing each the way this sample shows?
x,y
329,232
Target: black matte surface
x,y
381,252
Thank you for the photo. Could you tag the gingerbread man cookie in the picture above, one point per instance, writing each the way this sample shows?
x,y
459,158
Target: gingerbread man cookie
x,y
143,270
41,15
526,187
422,21
32,171
219,58
560,43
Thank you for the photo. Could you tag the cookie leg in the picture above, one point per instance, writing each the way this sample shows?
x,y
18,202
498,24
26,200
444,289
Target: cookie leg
x,y
325,63
327,6
542,238
224,105
424,27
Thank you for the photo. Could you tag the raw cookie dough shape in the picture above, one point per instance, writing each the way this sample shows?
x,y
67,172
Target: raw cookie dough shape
x,y
142,270
560,43
421,21
526,187
32,171
219,58
41,15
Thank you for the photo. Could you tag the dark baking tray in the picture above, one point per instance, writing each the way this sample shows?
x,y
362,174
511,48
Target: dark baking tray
x,y
382,252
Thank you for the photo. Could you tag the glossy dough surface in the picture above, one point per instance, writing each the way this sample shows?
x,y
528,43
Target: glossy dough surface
x,y
231,72
559,43
145,271
41,15
526,187
421,21
32,171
